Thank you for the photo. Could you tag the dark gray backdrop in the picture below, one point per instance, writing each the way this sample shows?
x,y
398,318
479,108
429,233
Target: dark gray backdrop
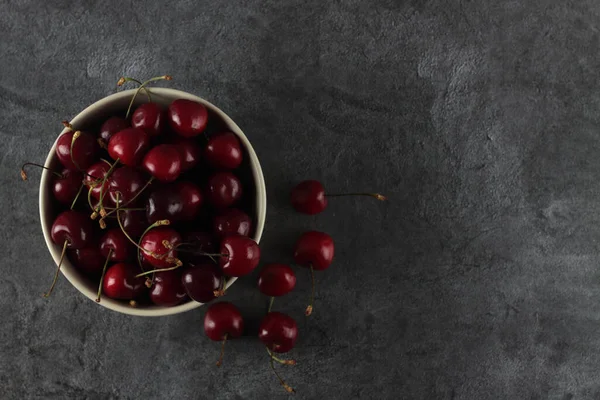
x,y
479,279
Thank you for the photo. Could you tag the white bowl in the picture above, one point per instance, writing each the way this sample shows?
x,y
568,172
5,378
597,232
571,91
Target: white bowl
x,y
95,114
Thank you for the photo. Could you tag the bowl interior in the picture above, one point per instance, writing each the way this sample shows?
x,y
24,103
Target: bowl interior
x,y
90,119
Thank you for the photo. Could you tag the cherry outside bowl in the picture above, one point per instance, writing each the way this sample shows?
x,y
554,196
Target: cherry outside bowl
x,y
93,115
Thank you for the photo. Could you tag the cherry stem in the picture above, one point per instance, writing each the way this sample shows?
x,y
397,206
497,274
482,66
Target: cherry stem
x,y
62,257
134,197
75,137
24,174
143,86
103,182
271,300
102,277
221,291
222,351
309,309
177,265
280,360
124,79
287,387
377,196
201,253
77,196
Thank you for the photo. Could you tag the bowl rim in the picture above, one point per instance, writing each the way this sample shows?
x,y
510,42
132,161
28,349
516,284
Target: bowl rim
x,y
69,271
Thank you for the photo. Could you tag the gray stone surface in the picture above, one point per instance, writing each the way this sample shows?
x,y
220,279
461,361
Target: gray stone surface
x,y
479,119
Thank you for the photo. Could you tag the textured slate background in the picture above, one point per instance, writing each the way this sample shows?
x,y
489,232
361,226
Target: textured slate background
x,y
478,280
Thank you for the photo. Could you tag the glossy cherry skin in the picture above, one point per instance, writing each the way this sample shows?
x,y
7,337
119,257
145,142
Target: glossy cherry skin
x,y
191,199
112,126
129,146
243,255
232,221
201,242
74,227
94,173
224,189
115,242
224,151
276,280
65,189
278,332
85,150
152,241
164,203
88,260
134,222
149,117
120,282
187,118
314,248
201,281
223,319
127,182
189,152
163,162
167,289
308,197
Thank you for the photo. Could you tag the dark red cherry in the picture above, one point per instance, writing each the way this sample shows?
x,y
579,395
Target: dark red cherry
x,y
199,242
276,279
127,182
224,189
95,173
115,242
201,281
308,197
74,227
112,126
224,151
134,222
223,319
120,282
314,249
85,150
88,260
129,146
163,162
242,255
191,199
278,332
189,152
66,187
149,117
164,203
154,242
232,221
187,118
167,289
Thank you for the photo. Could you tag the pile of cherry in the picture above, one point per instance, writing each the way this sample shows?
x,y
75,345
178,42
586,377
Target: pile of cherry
x,y
154,212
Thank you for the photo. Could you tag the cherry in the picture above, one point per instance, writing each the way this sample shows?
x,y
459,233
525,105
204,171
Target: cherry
x,y
115,245
134,222
73,230
187,118
112,126
164,203
167,289
88,260
278,332
163,162
66,187
308,197
128,182
314,250
224,189
201,281
224,151
129,146
240,255
160,247
150,118
232,221
189,152
223,321
191,199
201,242
120,282
95,173
276,280
84,150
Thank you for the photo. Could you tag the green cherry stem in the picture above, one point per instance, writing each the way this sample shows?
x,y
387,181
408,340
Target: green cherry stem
x,y
143,86
102,277
271,300
279,360
377,196
24,174
77,195
62,257
287,387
